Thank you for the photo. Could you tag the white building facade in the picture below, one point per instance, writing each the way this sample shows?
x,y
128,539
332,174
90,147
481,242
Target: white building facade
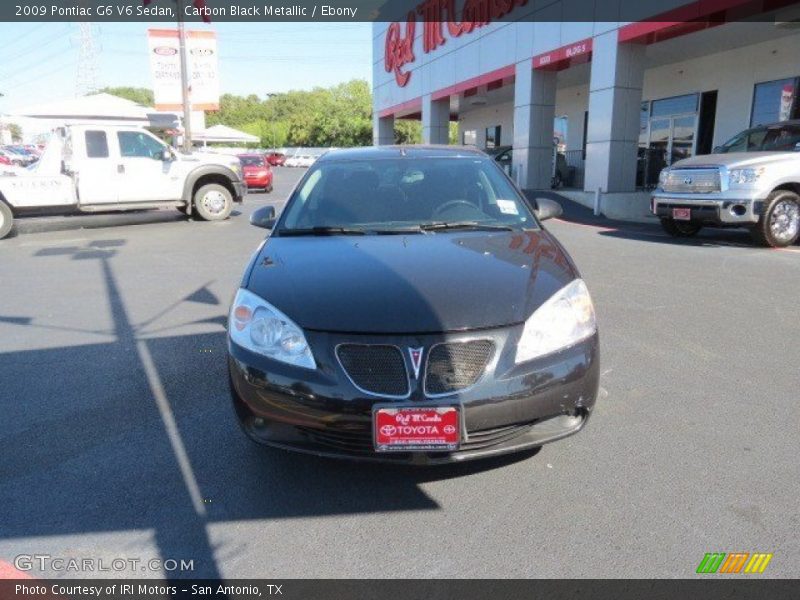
x,y
617,100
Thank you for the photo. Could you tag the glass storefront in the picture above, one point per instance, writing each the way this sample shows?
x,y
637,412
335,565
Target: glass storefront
x,y
775,101
667,132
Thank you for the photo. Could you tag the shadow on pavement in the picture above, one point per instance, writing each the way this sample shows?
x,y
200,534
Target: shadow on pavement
x,y
139,434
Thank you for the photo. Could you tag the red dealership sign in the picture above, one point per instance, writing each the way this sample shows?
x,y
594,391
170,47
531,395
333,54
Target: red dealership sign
x,y
436,15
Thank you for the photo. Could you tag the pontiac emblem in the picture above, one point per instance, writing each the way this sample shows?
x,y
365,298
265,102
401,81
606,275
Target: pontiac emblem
x,y
416,360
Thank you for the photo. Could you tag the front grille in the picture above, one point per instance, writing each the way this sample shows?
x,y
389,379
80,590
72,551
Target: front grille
x,y
375,369
692,181
455,366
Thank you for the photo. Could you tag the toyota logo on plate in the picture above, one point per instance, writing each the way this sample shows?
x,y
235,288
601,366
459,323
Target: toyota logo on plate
x,y
388,430
449,429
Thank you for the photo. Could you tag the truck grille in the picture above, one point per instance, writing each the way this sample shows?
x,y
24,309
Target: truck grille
x,y
456,366
692,181
376,369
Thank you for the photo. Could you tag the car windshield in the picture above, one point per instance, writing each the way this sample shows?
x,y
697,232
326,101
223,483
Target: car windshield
x,y
405,195
251,161
773,138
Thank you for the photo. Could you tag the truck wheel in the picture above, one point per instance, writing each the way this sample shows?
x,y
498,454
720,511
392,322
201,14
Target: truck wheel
x,y
6,220
680,229
779,224
213,202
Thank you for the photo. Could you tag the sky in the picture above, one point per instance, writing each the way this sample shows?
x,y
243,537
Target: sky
x,y
39,61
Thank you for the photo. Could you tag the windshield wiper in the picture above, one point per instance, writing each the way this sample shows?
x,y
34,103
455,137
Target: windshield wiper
x,y
475,225
323,230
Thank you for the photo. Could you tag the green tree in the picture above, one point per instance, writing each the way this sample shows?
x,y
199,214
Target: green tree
x,y
135,94
16,132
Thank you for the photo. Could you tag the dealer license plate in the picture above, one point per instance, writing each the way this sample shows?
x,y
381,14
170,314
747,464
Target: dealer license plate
x,y
406,429
682,214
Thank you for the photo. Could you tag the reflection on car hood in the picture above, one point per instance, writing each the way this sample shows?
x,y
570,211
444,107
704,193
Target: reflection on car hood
x,y
410,284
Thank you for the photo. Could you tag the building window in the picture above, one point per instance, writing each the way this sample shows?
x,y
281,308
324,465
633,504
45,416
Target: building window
x,y
775,101
493,136
96,144
469,137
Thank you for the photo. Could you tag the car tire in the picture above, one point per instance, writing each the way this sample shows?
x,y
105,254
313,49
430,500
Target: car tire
x,y
213,202
268,190
6,220
680,229
779,224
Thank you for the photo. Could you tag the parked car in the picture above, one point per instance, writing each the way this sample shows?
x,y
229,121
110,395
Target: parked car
x,y
305,160
291,161
276,159
257,172
362,331
15,158
753,181
4,160
28,157
105,168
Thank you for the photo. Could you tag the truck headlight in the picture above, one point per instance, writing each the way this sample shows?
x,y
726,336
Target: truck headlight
x,y
744,176
564,320
258,326
662,177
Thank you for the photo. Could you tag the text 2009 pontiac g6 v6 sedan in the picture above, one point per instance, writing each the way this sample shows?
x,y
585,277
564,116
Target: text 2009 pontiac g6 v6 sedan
x,y
408,306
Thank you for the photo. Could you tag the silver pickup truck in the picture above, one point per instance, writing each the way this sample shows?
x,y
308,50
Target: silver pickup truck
x,y
752,181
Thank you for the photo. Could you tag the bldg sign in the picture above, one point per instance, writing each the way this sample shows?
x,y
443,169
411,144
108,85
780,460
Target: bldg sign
x,y
438,17
165,67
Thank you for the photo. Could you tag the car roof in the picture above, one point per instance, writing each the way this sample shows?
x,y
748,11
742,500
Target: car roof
x,y
410,151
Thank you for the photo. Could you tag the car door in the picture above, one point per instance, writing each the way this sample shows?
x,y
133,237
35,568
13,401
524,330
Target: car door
x,y
92,162
146,167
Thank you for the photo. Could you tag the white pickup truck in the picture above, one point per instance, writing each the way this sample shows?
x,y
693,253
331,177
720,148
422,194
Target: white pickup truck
x,y
90,168
752,181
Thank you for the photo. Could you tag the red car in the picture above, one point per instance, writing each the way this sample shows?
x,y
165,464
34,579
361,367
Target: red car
x,y
4,160
257,172
276,159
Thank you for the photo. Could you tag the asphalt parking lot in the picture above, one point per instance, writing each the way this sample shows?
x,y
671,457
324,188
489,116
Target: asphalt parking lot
x,y
118,440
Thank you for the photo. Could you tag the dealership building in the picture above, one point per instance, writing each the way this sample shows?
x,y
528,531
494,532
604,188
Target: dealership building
x,y
617,101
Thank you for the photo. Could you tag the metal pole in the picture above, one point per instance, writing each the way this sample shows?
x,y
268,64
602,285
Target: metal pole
x,y
187,106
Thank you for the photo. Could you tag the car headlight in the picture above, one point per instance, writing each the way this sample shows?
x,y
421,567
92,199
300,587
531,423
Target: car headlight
x,y
564,320
743,176
259,327
662,177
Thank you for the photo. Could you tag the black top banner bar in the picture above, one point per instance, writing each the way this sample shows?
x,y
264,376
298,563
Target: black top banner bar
x,y
739,587
454,11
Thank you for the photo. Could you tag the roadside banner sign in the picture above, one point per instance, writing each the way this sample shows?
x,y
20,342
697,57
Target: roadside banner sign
x,y
165,67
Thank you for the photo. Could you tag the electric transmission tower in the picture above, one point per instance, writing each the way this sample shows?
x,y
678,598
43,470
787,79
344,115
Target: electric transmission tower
x,y
88,50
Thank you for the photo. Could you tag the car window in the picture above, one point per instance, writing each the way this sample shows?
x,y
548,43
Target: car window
x,y
139,145
751,140
781,139
397,193
96,144
251,161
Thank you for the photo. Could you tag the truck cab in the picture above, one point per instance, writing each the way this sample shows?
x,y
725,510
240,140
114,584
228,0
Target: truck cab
x,y
93,168
752,181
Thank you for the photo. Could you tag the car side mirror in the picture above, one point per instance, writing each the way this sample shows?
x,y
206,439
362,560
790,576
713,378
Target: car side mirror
x,y
263,217
547,209
166,155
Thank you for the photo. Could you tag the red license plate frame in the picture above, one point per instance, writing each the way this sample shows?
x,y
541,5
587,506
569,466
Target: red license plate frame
x,y
682,214
416,428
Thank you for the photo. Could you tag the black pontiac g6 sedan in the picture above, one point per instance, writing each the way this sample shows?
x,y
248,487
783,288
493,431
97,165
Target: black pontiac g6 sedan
x,y
408,306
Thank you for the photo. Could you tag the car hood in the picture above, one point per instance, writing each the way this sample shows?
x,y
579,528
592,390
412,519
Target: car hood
x,y
420,283
737,159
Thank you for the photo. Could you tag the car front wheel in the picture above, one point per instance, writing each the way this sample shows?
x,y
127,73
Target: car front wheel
x,y
680,229
779,225
6,220
213,202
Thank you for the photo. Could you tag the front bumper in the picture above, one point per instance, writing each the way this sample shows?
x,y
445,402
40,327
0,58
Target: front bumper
x,y
511,408
719,209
